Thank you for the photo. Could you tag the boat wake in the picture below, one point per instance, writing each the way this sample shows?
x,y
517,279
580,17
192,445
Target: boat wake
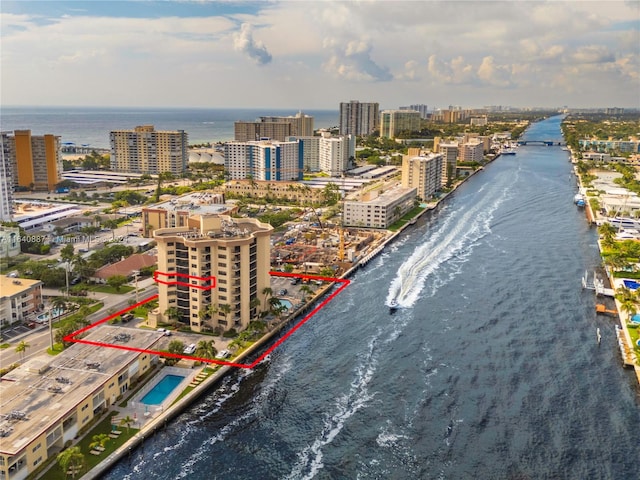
x,y
453,241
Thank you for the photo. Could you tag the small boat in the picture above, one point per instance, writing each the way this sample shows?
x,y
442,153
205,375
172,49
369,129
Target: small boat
x,y
598,335
393,306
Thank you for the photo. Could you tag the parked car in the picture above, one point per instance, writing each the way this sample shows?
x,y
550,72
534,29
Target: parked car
x,y
189,349
223,354
283,291
295,280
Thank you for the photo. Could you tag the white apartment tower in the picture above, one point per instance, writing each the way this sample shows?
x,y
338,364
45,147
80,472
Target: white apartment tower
x,y
6,180
359,118
424,173
264,160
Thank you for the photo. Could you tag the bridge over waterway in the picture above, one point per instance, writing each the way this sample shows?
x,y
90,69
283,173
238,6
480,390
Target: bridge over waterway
x,y
548,143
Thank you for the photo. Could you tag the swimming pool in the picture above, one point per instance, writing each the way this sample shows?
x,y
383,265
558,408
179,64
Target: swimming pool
x,y
45,316
162,390
631,284
285,303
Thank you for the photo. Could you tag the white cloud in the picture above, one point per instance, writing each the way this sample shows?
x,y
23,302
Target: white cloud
x,y
243,42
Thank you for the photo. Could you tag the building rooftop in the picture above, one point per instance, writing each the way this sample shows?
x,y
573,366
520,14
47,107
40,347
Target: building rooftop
x,y
127,266
14,286
195,202
372,198
40,392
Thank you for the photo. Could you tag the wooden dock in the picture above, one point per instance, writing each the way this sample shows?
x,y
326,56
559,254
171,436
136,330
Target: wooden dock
x,y
600,308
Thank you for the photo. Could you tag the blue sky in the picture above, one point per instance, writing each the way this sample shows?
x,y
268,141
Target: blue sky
x,y
317,54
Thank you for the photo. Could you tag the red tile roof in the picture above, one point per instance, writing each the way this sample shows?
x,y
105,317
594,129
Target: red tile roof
x,y
127,266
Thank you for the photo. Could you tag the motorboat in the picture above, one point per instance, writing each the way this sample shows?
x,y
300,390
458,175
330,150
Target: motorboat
x,y
393,306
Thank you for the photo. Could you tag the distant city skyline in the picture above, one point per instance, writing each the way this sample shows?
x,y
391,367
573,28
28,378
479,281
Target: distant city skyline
x,y
314,55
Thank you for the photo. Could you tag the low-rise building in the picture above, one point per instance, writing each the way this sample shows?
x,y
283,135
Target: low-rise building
x,y
376,209
126,267
292,191
20,298
48,400
9,242
176,212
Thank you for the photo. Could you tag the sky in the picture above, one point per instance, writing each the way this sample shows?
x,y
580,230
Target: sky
x,y
314,55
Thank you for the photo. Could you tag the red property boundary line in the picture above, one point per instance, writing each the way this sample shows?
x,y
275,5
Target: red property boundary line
x,y
343,283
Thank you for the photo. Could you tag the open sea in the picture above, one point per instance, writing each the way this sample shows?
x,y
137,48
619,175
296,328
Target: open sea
x,y
91,126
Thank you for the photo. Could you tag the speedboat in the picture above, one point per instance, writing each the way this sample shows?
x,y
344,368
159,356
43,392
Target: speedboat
x,y
393,305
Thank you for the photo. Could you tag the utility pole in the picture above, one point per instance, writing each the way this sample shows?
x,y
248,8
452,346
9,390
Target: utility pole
x,y
51,328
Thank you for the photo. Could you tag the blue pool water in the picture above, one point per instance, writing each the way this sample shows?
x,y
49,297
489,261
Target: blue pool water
x,y
45,316
286,303
162,390
631,284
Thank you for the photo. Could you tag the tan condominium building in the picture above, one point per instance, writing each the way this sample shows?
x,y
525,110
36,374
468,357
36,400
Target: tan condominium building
x,y
393,122
36,162
146,150
20,299
291,191
450,153
424,173
379,210
48,400
176,212
214,272
471,152
274,128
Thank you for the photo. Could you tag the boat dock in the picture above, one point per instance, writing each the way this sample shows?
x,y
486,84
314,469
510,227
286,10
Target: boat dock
x,y
600,308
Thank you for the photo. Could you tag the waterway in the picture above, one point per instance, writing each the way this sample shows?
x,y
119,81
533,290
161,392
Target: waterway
x,y
490,369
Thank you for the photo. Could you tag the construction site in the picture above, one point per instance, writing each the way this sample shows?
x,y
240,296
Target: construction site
x,y
311,250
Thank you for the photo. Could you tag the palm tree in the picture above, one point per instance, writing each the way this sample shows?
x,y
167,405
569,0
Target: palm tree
x,y
206,349
172,313
126,421
226,310
306,290
22,348
623,294
607,233
100,439
255,303
629,306
267,292
71,458
59,304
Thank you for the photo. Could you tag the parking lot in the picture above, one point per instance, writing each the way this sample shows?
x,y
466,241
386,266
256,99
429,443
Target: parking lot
x,y
13,331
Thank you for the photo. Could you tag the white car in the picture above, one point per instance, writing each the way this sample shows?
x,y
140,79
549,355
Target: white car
x,y
223,354
164,331
188,350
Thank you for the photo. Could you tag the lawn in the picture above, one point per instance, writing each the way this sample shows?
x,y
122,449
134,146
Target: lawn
x,y
75,317
90,460
108,289
406,218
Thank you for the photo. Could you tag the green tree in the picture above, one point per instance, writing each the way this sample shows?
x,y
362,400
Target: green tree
x,y
172,314
21,348
71,458
226,310
99,440
126,421
116,282
267,292
206,349
67,253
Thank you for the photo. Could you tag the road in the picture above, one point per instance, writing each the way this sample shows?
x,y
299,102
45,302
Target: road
x,y
39,339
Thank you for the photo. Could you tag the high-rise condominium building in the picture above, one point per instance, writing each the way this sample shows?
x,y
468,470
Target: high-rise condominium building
x,y
424,173
35,160
212,273
6,180
264,160
274,128
471,151
450,153
327,153
145,150
420,107
392,122
359,118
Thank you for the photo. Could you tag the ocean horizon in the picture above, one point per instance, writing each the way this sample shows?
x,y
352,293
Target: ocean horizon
x,y
90,126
